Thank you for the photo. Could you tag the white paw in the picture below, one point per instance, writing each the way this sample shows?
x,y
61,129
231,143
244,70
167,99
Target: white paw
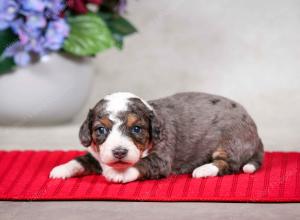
x,y
249,168
205,170
67,170
128,175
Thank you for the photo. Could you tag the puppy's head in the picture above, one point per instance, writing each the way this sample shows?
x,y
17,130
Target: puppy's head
x,y
120,130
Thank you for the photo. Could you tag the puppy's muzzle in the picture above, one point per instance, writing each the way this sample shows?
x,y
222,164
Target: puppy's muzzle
x,y
119,152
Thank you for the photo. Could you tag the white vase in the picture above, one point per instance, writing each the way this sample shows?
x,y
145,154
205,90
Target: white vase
x,y
51,91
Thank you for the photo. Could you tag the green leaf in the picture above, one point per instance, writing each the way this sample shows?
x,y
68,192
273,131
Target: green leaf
x,y
118,41
118,24
89,35
105,16
121,26
6,65
7,37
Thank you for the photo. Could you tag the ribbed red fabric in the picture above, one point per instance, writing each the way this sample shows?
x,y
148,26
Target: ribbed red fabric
x,y
24,176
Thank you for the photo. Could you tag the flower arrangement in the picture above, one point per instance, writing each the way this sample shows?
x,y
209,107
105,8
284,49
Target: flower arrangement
x,y
30,29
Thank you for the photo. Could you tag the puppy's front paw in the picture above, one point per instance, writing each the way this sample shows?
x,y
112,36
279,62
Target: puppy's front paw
x,y
129,175
60,172
67,170
205,170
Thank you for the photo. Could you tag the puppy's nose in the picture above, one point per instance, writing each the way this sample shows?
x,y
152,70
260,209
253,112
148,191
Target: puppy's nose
x,y
119,152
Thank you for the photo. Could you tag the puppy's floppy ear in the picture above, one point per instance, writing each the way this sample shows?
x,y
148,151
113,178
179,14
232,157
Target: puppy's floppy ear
x,y
85,132
156,128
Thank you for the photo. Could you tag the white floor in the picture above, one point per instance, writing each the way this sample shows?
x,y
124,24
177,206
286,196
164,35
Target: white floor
x,y
146,211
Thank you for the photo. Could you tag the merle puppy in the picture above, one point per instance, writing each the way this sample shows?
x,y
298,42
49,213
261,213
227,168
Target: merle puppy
x,y
128,138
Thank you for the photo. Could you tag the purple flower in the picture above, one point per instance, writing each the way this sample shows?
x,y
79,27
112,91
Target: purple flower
x,y
122,6
56,33
22,58
34,21
54,8
32,5
38,25
24,32
18,52
8,12
36,45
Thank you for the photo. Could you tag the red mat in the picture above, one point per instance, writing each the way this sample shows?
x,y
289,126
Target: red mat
x,y
24,176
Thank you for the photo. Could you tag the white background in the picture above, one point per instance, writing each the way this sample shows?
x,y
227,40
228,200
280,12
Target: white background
x,y
245,50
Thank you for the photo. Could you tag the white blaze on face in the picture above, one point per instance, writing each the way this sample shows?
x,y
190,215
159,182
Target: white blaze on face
x,y
117,139
116,103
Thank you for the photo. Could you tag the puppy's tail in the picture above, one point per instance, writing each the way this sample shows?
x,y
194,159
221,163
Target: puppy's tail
x,y
256,161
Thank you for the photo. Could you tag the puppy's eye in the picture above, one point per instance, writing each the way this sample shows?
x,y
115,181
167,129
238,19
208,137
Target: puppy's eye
x,y
136,130
102,130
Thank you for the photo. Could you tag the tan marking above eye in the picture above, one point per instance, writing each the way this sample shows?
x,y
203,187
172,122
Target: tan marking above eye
x,y
131,120
106,122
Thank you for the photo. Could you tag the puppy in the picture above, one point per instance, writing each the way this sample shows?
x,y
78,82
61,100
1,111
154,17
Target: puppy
x,y
128,138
